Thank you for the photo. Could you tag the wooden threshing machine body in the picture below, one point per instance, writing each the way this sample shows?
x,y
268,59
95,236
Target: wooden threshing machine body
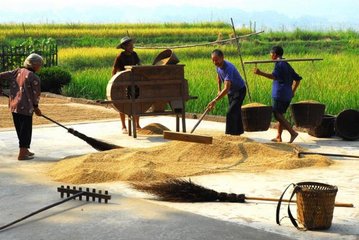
x,y
146,90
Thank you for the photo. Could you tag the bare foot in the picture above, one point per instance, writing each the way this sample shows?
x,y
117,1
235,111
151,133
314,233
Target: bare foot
x,y
276,139
292,137
124,130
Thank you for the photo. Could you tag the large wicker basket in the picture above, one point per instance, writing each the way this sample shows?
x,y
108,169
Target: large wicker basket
x,y
257,118
347,124
325,129
315,204
307,114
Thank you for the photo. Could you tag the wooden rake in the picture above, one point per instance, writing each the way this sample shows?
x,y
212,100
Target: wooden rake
x,y
71,193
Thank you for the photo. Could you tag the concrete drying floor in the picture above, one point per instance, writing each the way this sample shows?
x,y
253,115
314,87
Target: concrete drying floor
x,y
24,188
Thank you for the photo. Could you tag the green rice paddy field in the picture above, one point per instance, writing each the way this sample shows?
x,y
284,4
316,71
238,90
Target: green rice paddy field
x,y
333,81
88,52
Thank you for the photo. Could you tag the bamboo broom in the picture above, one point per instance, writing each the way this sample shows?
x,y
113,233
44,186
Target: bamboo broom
x,y
179,190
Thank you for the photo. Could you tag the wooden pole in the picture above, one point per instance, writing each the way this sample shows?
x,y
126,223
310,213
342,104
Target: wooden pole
x,y
284,60
202,44
286,200
240,57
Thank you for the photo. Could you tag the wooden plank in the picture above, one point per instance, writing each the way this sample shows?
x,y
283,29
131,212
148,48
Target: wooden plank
x,y
187,137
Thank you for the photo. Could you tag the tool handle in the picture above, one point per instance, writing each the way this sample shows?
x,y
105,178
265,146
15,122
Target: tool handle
x,y
51,120
284,60
286,200
41,210
200,119
240,57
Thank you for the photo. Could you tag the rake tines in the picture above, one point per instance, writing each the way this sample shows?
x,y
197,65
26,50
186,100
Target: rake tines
x,y
87,193
70,194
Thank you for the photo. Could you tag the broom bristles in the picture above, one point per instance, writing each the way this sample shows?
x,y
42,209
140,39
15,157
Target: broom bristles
x,y
178,190
96,144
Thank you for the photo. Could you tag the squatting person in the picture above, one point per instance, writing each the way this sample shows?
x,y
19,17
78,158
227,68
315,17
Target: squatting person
x,y
234,87
285,83
24,99
125,58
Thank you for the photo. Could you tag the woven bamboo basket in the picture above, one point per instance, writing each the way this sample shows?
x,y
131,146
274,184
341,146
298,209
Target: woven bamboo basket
x,y
166,57
347,124
315,205
256,118
325,129
307,114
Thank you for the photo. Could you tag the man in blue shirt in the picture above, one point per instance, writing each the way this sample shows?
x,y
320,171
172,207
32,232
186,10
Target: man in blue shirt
x,y
285,83
234,87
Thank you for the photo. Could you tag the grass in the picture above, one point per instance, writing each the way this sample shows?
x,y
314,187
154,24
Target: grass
x,y
332,81
88,52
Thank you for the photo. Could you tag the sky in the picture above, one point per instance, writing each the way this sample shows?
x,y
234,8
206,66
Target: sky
x,y
272,13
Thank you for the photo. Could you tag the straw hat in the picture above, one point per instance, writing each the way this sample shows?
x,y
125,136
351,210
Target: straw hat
x,y
123,41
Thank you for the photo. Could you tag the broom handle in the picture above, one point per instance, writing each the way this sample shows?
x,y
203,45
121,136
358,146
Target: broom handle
x,y
42,209
286,200
51,120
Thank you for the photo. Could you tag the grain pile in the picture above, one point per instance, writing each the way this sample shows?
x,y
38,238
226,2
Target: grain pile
x,y
181,159
255,104
152,129
309,101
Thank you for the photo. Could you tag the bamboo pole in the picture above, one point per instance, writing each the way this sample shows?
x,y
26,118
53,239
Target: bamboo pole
x,y
240,57
284,60
337,204
203,44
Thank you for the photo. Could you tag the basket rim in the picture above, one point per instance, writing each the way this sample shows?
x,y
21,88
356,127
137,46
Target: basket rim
x,y
307,103
253,107
331,188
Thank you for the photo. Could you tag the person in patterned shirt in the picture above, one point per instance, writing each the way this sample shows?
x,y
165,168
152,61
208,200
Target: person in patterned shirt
x,y
24,99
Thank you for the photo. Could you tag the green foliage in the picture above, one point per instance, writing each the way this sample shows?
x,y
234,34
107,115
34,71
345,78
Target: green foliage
x,y
88,51
333,81
53,79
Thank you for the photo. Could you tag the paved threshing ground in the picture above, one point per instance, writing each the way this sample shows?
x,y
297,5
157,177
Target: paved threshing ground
x,y
26,187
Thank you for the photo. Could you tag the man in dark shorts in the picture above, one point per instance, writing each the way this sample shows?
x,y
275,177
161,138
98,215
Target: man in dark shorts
x,y
285,83
234,87
126,58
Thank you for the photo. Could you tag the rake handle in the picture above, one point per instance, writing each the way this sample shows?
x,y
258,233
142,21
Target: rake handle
x,y
286,200
327,154
200,119
42,209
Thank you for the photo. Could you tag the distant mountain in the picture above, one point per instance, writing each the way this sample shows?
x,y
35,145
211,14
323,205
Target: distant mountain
x,y
106,14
